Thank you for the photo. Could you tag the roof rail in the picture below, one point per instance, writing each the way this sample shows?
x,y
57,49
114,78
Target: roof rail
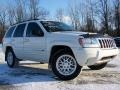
x,y
24,21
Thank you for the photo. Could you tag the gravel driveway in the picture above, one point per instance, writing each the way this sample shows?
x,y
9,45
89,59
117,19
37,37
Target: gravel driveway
x,y
35,76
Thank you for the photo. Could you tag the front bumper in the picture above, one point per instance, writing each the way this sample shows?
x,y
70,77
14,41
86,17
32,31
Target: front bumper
x,y
90,56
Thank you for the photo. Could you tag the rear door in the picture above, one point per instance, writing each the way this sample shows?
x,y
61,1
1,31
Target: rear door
x,y
17,40
7,37
34,43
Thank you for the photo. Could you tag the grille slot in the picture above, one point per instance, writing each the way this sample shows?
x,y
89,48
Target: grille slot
x,y
107,43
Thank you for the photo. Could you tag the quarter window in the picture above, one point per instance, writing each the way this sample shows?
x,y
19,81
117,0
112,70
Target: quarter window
x,y
19,30
9,32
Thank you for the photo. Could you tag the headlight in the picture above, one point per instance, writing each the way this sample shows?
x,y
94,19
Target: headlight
x,y
88,42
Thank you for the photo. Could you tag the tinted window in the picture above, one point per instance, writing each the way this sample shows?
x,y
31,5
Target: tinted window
x,y
9,32
19,30
33,30
52,26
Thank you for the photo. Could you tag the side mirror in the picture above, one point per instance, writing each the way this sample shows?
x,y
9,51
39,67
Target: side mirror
x,y
37,33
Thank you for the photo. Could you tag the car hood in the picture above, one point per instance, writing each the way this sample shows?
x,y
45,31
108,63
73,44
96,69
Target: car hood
x,y
72,33
78,33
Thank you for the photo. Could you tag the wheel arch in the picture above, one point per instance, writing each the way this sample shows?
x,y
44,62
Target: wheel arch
x,y
58,48
8,48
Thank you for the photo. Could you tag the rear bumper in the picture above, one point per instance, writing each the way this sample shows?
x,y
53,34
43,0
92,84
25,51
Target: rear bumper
x,y
90,56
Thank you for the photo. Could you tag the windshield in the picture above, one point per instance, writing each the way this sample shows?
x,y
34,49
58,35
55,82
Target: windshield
x,y
52,26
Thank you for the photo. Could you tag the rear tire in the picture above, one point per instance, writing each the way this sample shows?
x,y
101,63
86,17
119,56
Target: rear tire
x,y
97,66
11,59
64,66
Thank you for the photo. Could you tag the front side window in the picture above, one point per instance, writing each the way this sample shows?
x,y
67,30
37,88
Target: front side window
x,y
34,30
19,30
52,26
9,32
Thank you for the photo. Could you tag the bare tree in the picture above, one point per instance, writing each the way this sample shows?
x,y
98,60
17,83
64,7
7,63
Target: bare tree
x,y
90,15
117,16
2,22
105,14
3,19
89,24
17,12
11,15
20,10
82,13
74,15
43,14
34,9
59,14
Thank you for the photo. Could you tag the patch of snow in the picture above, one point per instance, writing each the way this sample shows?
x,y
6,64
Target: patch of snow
x,y
1,54
34,76
58,86
113,65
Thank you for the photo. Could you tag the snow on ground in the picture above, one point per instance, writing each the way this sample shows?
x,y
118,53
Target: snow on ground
x,y
35,76
1,54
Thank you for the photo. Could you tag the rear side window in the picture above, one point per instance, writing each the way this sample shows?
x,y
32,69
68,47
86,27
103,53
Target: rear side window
x,y
19,30
9,32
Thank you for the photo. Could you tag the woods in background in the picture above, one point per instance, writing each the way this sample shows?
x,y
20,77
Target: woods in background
x,y
102,16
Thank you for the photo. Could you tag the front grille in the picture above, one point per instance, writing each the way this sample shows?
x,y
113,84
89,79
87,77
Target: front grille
x,y
107,43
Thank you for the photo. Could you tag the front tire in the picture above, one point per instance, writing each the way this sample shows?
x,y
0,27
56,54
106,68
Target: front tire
x,y
97,66
11,59
64,66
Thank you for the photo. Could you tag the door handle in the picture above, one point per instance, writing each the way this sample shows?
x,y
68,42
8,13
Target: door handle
x,y
42,50
26,40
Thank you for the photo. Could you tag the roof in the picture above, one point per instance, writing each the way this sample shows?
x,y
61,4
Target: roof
x,y
25,21
30,20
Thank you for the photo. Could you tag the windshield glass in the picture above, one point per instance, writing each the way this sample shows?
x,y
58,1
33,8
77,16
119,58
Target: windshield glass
x,y
52,26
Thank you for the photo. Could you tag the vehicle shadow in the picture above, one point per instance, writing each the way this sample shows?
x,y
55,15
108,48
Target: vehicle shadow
x,y
25,73
30,72
111,65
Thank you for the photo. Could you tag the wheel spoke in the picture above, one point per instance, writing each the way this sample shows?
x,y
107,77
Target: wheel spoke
x,y
66,64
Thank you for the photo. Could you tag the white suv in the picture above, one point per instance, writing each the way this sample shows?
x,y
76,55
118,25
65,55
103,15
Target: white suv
x,y
64,49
